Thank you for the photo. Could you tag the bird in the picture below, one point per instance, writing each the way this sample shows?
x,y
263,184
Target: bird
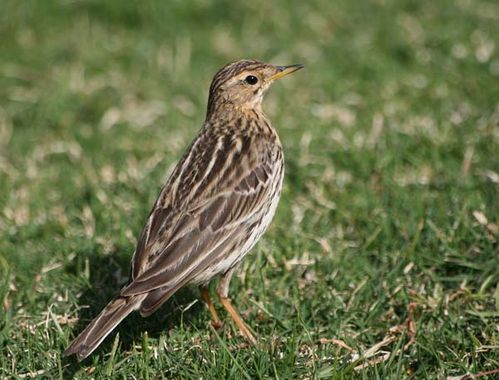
x,y
215,205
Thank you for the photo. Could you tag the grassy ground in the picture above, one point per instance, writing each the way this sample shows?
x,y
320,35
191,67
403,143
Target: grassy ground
x,y
382,261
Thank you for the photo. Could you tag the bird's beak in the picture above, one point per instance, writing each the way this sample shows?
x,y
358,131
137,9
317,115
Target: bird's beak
x,y
282,71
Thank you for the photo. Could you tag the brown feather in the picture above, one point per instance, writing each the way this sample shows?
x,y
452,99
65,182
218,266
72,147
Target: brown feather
x,y
90,338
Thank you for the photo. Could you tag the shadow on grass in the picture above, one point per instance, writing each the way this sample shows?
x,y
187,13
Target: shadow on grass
x,y
105,272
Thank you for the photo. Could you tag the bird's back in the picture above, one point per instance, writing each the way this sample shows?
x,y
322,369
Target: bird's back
x,y
227,183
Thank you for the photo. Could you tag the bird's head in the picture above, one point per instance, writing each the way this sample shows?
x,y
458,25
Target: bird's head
x,y
242,84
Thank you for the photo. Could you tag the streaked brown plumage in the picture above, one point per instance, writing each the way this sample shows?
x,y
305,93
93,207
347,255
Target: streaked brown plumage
x,y
213,208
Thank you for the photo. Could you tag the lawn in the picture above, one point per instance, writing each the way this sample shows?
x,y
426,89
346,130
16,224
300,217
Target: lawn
x,y
383,259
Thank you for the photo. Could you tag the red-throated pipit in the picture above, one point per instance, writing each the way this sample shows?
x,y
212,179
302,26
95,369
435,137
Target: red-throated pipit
x,y
214,207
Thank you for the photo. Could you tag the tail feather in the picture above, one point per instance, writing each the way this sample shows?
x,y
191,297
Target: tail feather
x,y
90,338
154,300
157,297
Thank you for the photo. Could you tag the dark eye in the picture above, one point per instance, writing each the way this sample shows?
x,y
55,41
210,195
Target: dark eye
x,y
251,79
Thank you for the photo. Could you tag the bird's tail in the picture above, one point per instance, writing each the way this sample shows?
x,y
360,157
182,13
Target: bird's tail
x,y
90,338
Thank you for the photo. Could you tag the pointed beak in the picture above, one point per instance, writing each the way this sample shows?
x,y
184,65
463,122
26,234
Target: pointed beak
x,y
282,71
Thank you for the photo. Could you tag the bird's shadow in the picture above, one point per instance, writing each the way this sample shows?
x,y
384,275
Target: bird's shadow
x,y
106,280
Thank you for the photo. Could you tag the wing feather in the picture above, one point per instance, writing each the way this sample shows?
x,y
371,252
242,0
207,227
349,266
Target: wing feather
x,y
180,241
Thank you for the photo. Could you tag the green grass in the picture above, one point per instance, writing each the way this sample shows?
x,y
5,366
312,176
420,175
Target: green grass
x,y
387,229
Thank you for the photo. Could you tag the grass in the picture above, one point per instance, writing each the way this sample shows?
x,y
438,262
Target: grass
x,y
382,261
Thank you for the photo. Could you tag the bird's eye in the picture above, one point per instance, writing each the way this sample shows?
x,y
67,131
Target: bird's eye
x,y
251,79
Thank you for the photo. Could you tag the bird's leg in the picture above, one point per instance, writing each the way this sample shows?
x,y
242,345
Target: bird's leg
x,y
205,295
223,292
